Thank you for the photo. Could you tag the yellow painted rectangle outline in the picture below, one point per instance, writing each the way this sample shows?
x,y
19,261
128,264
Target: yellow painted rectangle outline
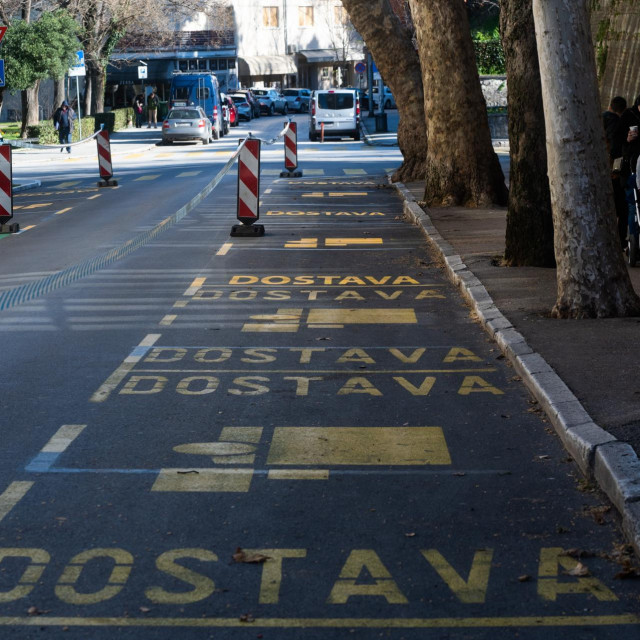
x,y
298,474
358,446
203,480
362,316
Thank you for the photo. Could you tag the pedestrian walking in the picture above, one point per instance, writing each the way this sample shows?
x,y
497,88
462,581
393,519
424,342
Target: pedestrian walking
x,y
138,108
152,109
63,122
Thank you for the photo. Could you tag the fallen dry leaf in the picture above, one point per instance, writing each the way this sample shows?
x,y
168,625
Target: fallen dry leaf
x,y
247,617
252,558
578,570
410,535
145,609
524,578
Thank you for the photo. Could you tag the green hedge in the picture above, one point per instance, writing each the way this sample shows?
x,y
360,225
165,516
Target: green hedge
x,y
112,120
489,57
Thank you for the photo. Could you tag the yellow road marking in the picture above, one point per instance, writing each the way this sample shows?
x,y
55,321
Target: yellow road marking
x,y
361,316
313,194
303,243
123,370
12,495
31,226
39,205
135,155
195,287
298,474
355,172
186,174
63,437
224,249
147,177
65,185
398,446
284,321
314,172
94,197
341,194
207,480
329,623
63,211
195,154
343,242
167,320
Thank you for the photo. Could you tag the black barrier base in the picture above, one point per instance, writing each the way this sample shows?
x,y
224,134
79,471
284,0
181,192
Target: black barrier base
x,y
108,183
10,228
296,173
247,230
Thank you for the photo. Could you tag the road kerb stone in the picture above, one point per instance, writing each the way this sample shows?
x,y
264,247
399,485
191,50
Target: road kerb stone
x,y
582,442
617,470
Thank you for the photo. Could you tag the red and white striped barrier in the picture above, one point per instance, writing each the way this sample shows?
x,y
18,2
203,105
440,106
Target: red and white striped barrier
x,y
249,190
291,152
104,160
6,190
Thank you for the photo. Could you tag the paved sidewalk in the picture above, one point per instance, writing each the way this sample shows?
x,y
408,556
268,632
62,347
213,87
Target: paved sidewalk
x,y
596,359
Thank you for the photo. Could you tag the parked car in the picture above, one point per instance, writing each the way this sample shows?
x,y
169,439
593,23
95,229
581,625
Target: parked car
x,y
271,101
233,111
245,112
338,110
363,94
297,99
187,123
251,99
198,89
389,100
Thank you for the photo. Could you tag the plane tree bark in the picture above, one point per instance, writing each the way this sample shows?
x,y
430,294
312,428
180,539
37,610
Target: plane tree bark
x,y
391,45
593,281
462,167
529,236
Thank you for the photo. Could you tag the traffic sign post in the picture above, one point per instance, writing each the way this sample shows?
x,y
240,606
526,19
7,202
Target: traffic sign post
x,y
2,83
249,190
6,191
78,69
104,160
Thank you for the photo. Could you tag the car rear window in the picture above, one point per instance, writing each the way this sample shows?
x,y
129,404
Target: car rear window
x,y
239,99
183,113
290,92
335,101
259,92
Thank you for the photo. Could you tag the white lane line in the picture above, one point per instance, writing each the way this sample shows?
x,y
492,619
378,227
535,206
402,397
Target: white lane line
x,y
12,495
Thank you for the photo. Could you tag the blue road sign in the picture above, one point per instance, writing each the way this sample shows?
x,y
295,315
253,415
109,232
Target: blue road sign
x,y
361,67
1,73
78,68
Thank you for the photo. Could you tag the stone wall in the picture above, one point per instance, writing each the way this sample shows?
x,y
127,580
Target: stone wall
x,y
615,26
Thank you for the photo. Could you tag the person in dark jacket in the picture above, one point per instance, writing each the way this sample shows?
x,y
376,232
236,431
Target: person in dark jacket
x,y
610,120
627,136
63,122
138,108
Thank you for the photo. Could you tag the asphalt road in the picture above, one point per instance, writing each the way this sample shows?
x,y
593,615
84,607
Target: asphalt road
x,y
303,435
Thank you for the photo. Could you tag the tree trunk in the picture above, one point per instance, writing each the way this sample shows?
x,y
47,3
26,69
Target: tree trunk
x,y
86,102
99,86
30,113
529,237
391,46
462,167
59,93
593,281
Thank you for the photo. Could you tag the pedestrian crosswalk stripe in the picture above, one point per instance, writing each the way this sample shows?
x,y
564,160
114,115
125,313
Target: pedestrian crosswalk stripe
x,y
355,172
186,174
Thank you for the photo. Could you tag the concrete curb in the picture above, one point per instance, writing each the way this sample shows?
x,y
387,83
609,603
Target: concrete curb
x,y
612,464
25,186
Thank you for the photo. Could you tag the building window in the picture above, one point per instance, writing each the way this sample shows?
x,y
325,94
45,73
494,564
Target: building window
x,y
222,65
305,16
183,65
193,65
213,64
270,17
202,64
340,15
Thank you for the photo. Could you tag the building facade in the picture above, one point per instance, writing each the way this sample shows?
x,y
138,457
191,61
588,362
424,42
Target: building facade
x,y
266,43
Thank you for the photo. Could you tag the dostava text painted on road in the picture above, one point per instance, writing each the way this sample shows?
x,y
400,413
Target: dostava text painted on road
x,y
208,294
186,576
340,280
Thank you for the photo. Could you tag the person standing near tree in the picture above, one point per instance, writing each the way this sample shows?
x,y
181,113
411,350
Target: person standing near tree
x,y
152,109
63,122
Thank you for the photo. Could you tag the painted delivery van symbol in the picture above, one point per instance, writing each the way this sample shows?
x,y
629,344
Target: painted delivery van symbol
x,y
313,451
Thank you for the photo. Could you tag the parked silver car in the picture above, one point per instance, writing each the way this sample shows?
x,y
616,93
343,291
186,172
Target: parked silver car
x,y
271,101
186,123
297,99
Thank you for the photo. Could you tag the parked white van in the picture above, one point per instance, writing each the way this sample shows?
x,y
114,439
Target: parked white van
x,y
338,110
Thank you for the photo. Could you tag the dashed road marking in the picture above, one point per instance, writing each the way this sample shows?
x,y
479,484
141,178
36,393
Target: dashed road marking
x,y
12,495
58,213
224,249
94,197
151,176
355,172
58,443
187,174
65,185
